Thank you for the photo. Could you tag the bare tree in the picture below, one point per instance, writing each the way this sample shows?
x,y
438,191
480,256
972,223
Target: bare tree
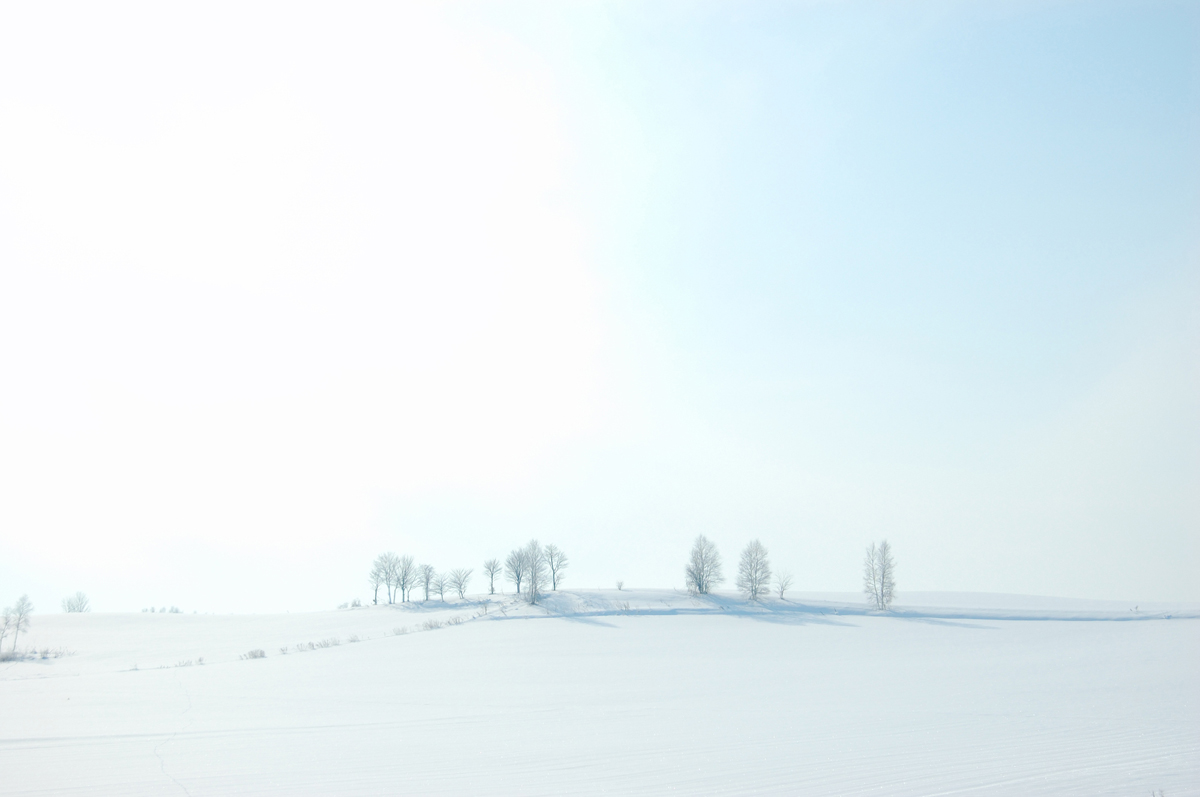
x,y
783,582
491,569
703,571
441,582
459,579
514,567
879,575
18,618
406,576
557,561
535,571
425,576
754,570
77,603
6,623
378,577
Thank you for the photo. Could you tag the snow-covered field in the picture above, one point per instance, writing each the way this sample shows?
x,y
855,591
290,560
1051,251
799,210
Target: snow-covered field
x,y
633,692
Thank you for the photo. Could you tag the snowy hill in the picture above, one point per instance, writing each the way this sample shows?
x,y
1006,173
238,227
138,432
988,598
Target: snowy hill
x,y
632,692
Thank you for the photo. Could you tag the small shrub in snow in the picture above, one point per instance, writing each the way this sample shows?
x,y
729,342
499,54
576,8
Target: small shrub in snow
x,y
200,661
327,643
399,630
344,606
257,653
456,620
283,651
620,586
352,638
430,625
176,610
355,604
184,663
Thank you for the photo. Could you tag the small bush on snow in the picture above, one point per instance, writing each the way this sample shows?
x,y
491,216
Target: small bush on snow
x,y
257,653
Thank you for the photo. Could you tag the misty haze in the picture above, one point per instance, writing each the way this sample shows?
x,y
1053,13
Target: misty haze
x,y
545,398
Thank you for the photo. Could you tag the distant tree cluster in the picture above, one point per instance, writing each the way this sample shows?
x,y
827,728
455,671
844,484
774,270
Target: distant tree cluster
x,y
76,603
399,574
531,568
534,569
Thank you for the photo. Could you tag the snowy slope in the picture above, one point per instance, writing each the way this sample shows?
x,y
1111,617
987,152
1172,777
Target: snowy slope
x,y
635,692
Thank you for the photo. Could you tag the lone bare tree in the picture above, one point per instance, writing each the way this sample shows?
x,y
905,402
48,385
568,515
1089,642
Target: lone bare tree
x,y
703,571
425,576
17,618
783,582
754,571
535,571
459,579
405,576
441,583
879,575
491,569
77,603
557,561
514,567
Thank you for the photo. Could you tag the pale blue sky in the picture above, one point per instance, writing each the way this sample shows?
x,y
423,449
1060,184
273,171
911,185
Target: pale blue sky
x,y
285,289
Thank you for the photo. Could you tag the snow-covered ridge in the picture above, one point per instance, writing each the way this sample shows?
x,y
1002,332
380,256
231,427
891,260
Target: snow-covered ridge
x,y
125,641
605,692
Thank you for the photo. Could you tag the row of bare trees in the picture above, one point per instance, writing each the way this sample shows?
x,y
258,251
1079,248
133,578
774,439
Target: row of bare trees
x,y
401,576
531,568
703,572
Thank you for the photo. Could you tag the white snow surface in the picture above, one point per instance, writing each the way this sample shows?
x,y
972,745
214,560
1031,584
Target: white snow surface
x,y
606,692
